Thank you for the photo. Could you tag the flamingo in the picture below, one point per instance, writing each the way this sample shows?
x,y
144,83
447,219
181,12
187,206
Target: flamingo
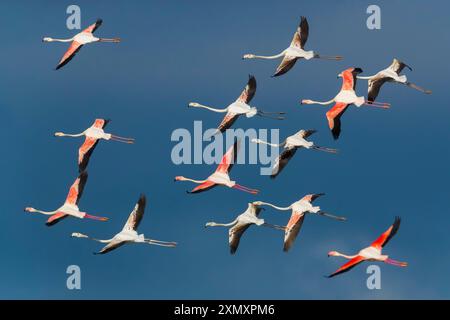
x,y
93,134
242,223
295,51
299,209
84,37
390,74
221,175
371,253
343,99
70,206
239,107
129,232
290,145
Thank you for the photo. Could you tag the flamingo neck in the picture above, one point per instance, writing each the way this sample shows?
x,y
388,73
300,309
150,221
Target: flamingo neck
x,y
72,135
61,40
211,109
49,213
194,181
215,224
338,254
323,103
275,207
265,142
268,57
365,78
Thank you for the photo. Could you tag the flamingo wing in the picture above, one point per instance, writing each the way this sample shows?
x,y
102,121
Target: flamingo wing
x,y
203,187
94,26
100,123
397,66
229,158
306,133
70,53
227,121
136,215
301,34
312,197
349,78
114,244
292,229
348,266
387,235
334,118
282,161
234,235
85,152
249,91
286,64
56,218
76,190
374,87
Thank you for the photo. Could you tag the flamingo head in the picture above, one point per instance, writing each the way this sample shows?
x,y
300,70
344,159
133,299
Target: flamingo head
x,y
29,209
78,235
248,56
180,178
210,224
333,254
306,101
47,39
58,134
193,104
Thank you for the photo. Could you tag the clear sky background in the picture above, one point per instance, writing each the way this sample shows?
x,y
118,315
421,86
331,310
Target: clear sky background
x,y
392,162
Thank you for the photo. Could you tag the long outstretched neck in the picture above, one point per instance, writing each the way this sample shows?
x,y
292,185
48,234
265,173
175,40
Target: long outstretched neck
x,y
48,213
74,135
338,254
197,105
275,207
323,103
215,224
60,40
253,56
194,181
365,78
258,141
80,235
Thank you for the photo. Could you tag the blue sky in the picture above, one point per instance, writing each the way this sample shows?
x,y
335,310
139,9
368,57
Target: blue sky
x,y
391,162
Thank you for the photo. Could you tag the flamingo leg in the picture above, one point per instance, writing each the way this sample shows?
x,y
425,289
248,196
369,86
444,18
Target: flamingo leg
x,y
122,139
88,216
245,189
396,263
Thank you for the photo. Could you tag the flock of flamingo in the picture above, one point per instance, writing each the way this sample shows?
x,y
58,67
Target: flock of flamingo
x,y
346,97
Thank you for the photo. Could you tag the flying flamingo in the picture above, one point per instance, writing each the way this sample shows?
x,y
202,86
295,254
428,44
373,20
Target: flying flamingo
x,y
84,37
344,98
295,51
129,232
242,223
371,253
299,209
221,175
290,145
70,206
93,134
390,74
239,107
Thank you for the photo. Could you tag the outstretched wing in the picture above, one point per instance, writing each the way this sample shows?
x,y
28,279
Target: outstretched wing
x,y
312,197
70,53
397,66
234,236
334,118
76,190
292,229
306,133
93,26
54,219
227,121
387,235
136,215
349,78
249,91
282,161
85,152
100,123
229,158
286,64
203,187
374,87
348,266
114,244
301,34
